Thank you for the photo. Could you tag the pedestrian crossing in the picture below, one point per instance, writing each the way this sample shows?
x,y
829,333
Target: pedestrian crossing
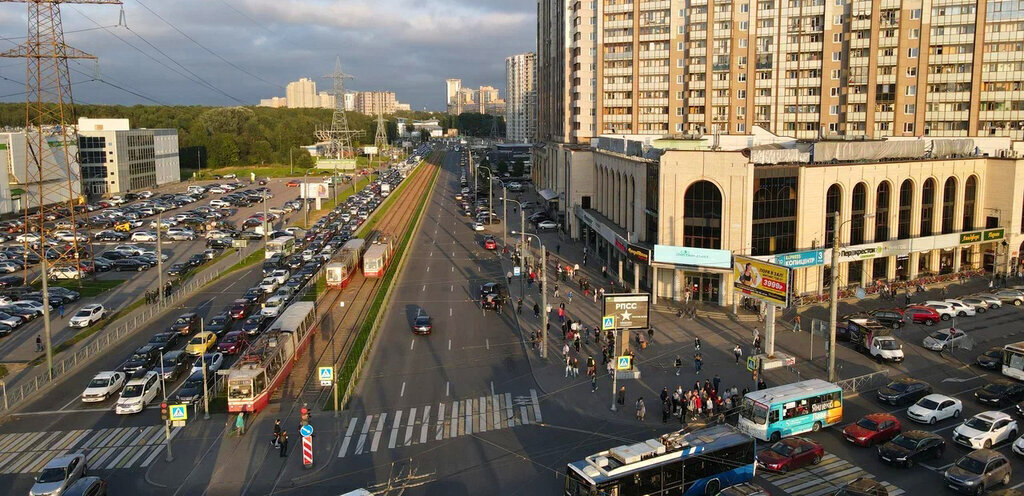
x,y
445,420
822,479
105,449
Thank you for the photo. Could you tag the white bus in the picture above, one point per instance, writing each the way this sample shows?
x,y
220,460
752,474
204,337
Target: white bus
x,y
285,245
773,413
1013,360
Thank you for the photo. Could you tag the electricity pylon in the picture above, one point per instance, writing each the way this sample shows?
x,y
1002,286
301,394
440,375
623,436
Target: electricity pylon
x,y
339,135
380,140
51,170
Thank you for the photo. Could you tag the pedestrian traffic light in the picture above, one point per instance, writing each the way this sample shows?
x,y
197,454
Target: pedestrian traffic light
x,y
165,414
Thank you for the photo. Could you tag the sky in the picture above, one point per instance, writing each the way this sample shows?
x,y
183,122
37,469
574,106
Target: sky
x,y
245,50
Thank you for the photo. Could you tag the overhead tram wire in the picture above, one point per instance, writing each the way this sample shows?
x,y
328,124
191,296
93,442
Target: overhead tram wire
x,y
211,52
195,78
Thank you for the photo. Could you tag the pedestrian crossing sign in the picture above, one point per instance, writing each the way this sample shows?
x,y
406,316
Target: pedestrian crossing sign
x,y
607,322
517,271
622,363
326,375
179,412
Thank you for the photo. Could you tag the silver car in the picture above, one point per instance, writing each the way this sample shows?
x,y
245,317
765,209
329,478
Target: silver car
x,y
979,470
57,475
982,303
1013,296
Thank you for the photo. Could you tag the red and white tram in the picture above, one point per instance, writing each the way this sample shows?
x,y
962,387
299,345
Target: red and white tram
x,y
377,257
339,271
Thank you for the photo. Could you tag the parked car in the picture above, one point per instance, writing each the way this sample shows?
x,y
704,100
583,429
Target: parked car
x,y
922,315
873,428
944,339
945,310
985,430
977,471
138,393
863,486
87,486
88,315
102,386
1011,296
991,359
964,309
911,447
789,454
890,317
58,474
903,391
935,407
1000,392
991,302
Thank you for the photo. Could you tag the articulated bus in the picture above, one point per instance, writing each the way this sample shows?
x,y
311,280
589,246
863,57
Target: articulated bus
x,y
773,413
1013,360
687,462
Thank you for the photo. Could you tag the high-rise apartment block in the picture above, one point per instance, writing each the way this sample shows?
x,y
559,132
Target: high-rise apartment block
x,y
521,104
302,94
451,91
484,100
370,102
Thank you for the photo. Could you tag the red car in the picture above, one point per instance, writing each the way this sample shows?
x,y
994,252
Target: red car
x,y
292,184
233,342
790,453
920,314
490,244
873,428
239,309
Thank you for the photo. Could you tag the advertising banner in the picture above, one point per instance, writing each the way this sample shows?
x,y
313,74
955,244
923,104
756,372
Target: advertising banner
x,y
314,190
638,253
799,259
629,310
762,280
699,257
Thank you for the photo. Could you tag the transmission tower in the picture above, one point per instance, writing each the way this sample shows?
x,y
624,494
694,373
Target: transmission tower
x,y
339,135
51,174
380,140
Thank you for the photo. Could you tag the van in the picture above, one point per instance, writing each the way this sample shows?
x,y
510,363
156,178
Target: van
x,y
196,190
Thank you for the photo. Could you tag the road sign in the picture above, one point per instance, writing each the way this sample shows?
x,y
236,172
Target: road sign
x,y
607,322
177,423
179,412
517,271
306,430
630,310
326,376
307,451
751,363
623,363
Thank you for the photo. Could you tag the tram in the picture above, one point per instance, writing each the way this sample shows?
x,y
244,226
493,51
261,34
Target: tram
x,y
340,269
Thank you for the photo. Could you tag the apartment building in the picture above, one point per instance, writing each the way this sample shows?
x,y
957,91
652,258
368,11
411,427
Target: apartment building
x,y
521,104
370,102
117,159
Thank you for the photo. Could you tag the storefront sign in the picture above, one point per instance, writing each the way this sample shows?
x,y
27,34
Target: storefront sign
x,y
800,259
762,280
629,310
638,254
699,257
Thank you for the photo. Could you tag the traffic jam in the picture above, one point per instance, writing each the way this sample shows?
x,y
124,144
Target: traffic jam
x,y
185,358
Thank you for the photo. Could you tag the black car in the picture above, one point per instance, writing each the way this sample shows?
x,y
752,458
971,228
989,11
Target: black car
x,y
128,264
185,324
219,324
888,317
254,295
143,358
164,340
1000,392
191,390
111,236
422,324
177,269
175,362
196,260
11,281
991,359
910,447
293,262
101,264
113,255
218,243
253,324
904,391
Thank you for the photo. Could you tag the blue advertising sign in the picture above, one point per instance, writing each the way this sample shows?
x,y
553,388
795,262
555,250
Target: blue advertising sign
x,y
799,259
684,255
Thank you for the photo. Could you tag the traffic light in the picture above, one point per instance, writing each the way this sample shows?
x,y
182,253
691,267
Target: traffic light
x,y
165,414
304,416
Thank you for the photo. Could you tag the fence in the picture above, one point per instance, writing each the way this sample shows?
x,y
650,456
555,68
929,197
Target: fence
x,y
864,382
25,388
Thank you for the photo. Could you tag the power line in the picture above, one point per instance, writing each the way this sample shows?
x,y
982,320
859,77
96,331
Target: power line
x,y
211,52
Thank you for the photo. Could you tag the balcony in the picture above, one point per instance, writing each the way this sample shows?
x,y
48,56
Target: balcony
x,y
615,9
718,85
654,54
856,98
720,67
809,64
698,52
618,55
951,96
697,69
653,118
655,4
619,102
619,39
698,18
860,43
696,118
653,102
618,71
617,118
883,116
663,69
618,24
619,87
695,102
655,37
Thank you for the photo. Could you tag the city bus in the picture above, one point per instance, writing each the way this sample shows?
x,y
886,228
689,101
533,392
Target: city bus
x,y
285,245
770,414
1013,360
686,462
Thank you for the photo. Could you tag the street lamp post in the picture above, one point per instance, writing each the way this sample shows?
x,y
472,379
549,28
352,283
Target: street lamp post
x,y
305,200
834,293
206,388
490,185
543,292
167,426
522,223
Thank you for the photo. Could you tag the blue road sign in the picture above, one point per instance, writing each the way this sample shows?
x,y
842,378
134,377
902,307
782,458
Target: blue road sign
x,y
179,412
306,430
607,322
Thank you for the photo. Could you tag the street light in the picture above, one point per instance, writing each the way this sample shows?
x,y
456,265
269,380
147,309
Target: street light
x,y
522,221
543,293
834,293
305,198
490,186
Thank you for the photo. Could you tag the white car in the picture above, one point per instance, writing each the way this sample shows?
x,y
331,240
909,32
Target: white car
x,y
9,267
280,276
935,407
216,234
27,238
148,236
137,394
214,361
88,315
546,224
1018,446
103,386
163,224
130,249
268,285
985,430
65,272
10,320
218,203
946,311
181,234
963,309
981,303
477,226
944,339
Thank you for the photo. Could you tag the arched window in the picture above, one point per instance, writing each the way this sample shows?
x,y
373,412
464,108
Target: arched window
x,y
882,212
833,202
702,216
927,207
948,203
857,214
970,192
906,205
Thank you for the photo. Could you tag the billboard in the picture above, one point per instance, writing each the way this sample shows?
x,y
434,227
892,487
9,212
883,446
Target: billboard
x,y
336,163
762,280
314,190
698,257
629,310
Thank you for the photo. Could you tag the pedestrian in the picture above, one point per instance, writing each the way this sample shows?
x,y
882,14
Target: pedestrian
x,y
698,362
586,333
558,249
576,343
284,444
686,296
621,398
696,344
240,423
508,276
678,364
556,290
568,294
761,384
565,348
568,362
716,382
641,409
757,345
60,310
593,383
595,296
650,334
519,306
575,367
609,366
666,410
277,434
536,310
796,323
39,343
604,272
737,352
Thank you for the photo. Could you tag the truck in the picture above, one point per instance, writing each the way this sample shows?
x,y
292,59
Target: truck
x,y
874,339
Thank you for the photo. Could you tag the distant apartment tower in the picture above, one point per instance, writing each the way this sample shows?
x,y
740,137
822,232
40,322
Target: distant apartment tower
x,y
325,100
368,102
274,102
521,101
566,71
302,94
117,159
451,93
350,101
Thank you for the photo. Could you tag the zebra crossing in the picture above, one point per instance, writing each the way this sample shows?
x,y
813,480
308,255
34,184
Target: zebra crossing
x,y
822,479
445,420
105,449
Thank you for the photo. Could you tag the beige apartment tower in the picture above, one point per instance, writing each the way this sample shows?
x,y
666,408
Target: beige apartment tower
x,y
370,102
521,104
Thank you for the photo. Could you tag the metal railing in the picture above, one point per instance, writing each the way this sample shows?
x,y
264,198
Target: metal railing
x,y
25,388
864,382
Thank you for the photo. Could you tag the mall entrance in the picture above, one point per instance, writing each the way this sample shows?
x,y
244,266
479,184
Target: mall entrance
x,y
704,287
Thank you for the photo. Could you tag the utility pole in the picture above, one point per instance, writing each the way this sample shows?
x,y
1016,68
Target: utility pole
x,y
305,201
266,220
339,134
833,307
291,163
504,215
206,389
159,256
543,302
167,425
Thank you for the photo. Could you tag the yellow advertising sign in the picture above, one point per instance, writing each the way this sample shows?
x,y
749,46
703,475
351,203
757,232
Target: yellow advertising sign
x,y
762,280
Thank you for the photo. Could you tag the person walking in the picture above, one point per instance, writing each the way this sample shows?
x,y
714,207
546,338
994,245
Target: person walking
x,y
757,345
568,363
276,442
60,310
568,294
556,290
575,367
284,444
737,352
666,410
519,306
698,362
621,398
536,310
650,334
508,277
696,344
593,383
716,382
796,323
641,409
604,271
761,384
678,364
576,343
240,423
39,343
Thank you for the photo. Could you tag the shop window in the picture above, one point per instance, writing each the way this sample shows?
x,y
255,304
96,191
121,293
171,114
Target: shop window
x,y
774,227
906,204
702,216
833,201
970,192
948,203
927,207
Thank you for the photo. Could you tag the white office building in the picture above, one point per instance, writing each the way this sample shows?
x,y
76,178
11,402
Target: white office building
x,y
116,159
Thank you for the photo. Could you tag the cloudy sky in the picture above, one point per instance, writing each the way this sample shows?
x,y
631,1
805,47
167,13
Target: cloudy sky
x,y
244,50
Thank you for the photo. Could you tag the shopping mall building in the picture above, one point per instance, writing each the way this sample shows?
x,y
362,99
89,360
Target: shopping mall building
x,y
669,214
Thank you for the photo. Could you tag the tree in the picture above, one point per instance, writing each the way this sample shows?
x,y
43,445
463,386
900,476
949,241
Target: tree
x,y
502,167
302,158
518,168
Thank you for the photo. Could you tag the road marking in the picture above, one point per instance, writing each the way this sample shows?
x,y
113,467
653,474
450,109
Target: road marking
x,y
469,417
424,288
482,411
403,390
394,430
440,422
412,344
536,405
963,379
453,427
492,388
378,432
452,288
362,437
488,342
450,311
428,268
348,437
449,343
447,387
453,268
424,424
408,428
